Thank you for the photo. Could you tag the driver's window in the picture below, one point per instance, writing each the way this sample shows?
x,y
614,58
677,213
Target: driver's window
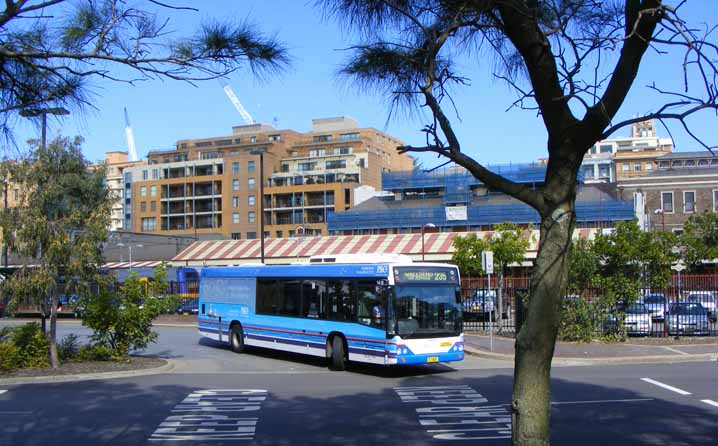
x,y
371,308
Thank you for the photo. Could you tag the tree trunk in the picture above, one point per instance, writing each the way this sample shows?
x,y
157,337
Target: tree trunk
x,y
531,406
54,361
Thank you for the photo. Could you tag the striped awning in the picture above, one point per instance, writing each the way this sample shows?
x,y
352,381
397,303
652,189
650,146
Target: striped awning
x,y
438,246
122,265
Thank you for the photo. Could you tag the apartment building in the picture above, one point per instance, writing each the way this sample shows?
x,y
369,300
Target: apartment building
x,y
321,173
211,186
619,158
205,187
683,184
115,164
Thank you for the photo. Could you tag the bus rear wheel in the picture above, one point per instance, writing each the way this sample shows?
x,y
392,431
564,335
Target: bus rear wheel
x,y
338,357
236,339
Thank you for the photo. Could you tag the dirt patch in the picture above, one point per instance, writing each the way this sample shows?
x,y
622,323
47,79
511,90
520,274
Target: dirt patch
x,y
75,368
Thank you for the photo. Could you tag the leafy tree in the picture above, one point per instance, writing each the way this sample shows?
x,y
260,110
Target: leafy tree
x,y
509,246
48,61
630,259
584,267
467,254
122,318
57,229
700,239
573,64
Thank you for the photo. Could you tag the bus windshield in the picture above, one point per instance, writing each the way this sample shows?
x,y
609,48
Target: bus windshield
x,y
424,311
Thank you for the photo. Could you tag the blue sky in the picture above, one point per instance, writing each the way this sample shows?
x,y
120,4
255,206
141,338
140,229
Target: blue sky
x,y
163,112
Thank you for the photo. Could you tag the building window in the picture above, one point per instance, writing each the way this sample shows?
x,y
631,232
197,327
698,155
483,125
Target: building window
x,y
235,185
235,218
153,191
316,152
588,171
235,168
689,202
349,136
306,166
637,167
649,167
626,167
251,218
280,234
253,139
275,137
250,183
690,163
702,163
667,201
664,165
604,171
250,200
236,236
251,235
235,202
336,164
294,153
144,174
677,163
148,224
605,148
155,174
284,167
250,166
128,177
143,191
153,206
322,138
342,150
143,206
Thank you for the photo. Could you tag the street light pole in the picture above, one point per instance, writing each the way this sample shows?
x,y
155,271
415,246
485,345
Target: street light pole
x,y
260,152
425,225
42,113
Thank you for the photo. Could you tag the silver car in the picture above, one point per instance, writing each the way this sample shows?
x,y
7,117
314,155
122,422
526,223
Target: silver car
x,y
688,318
706,298
657,305
638,320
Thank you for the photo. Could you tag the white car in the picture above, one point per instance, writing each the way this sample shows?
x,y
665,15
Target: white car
x,y
638,320
657,305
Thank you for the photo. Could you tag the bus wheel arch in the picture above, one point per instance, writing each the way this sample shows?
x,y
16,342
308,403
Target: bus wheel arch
x,y
236,337
337,351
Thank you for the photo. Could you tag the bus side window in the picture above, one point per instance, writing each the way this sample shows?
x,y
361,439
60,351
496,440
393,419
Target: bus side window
x,y
313,299
291,298
339,305
366,298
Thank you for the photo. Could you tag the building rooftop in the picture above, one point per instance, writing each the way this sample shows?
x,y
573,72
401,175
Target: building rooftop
x,y
689,155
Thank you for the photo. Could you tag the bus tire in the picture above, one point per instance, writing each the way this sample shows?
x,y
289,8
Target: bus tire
x,y
236,338
339,362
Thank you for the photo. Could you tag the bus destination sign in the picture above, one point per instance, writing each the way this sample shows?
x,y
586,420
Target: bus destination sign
x,y
425,274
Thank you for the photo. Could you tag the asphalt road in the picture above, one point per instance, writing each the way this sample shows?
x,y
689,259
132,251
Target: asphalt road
x,y
217,397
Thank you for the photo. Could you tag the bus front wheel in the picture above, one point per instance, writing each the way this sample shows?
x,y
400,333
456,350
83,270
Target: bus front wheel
x,y
236,339
338,354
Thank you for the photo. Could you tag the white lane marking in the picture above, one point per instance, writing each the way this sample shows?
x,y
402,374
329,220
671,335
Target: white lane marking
x,y
2,391
675,350
628,400
710,403
665,386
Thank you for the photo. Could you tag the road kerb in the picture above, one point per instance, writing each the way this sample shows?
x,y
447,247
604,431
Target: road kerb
x,y
168,367
562,361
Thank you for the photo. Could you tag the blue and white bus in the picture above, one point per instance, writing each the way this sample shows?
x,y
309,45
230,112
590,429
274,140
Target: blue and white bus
x,y
384,312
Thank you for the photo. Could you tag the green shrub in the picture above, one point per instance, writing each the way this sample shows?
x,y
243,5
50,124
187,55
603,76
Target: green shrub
x,y
10,358
122,319
579,321
32,345
68,348
95,352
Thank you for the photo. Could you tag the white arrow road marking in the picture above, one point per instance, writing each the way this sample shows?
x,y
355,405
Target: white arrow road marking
x,y
665,386
2,391
710,403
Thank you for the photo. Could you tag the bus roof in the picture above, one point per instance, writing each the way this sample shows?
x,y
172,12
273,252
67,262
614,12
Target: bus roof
x,y
339,270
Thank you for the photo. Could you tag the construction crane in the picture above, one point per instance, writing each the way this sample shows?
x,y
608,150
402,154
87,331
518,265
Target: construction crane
x,y
246,117
130,138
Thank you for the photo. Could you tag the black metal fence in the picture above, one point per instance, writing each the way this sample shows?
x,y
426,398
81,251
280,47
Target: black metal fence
x,y
687,306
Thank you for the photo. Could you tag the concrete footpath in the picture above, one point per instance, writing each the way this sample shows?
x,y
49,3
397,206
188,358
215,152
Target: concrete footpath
x,y
573,353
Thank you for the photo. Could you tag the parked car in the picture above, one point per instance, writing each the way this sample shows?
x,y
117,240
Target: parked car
x,y
707,299
484,303
638,320
688,318
189,306
657,305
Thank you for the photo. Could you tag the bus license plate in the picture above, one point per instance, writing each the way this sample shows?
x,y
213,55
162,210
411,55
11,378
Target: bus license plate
x,y
432,359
